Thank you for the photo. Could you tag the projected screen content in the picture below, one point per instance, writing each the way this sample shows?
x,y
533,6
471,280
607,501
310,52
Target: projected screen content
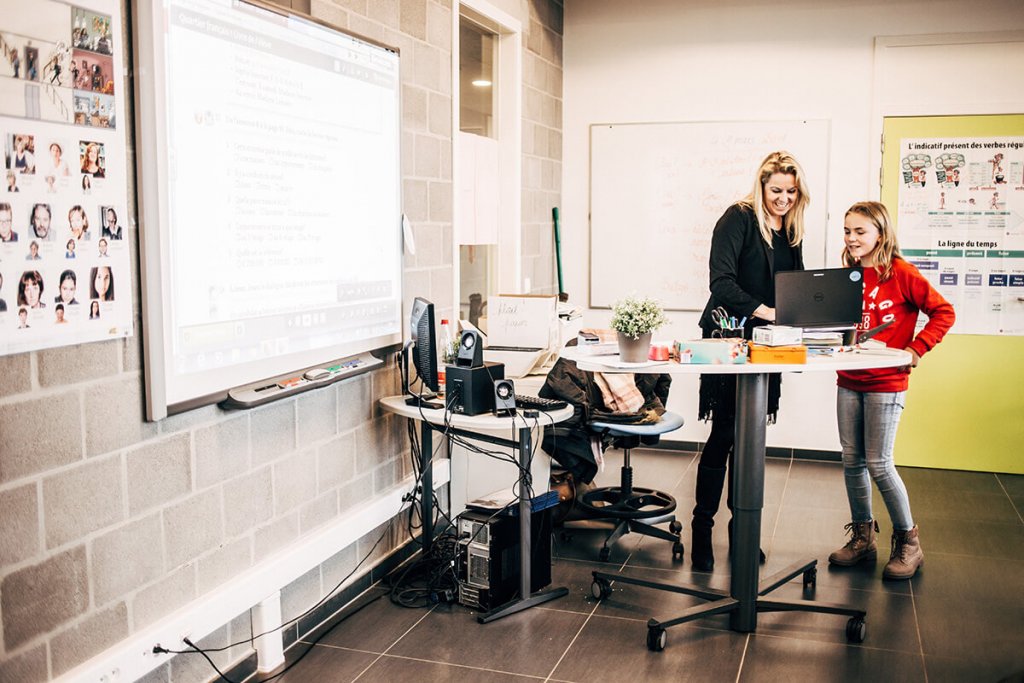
x,y
281,238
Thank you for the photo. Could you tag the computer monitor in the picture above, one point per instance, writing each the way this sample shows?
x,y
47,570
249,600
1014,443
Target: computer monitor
x,y
424,345
825,298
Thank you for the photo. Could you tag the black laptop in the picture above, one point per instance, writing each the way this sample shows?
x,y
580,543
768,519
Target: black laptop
x,y
827,298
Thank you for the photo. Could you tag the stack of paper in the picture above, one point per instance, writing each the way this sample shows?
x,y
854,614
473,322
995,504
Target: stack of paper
x,y
823,338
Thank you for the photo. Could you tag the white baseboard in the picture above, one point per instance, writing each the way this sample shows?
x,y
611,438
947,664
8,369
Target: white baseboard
x,y
133,657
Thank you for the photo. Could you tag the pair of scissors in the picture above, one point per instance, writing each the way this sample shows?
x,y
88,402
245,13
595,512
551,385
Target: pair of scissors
x,y
721,317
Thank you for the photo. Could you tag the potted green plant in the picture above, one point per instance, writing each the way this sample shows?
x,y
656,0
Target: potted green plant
x,y
635,319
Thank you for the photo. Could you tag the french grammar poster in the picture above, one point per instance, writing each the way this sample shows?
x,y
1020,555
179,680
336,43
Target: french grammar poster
x,y
65,263
961,222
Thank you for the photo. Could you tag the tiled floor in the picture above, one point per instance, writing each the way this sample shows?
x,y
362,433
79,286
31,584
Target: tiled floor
x,y
960,619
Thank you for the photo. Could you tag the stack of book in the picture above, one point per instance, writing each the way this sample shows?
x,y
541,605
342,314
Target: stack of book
x,y
823,338
823,343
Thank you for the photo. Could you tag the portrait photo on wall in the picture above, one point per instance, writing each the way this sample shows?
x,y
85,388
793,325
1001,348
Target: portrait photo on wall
x,y
92,158
12,182
20,153
7,231
40,221
55,164
78,223
108,219
68,288
91,31
101,283
30,289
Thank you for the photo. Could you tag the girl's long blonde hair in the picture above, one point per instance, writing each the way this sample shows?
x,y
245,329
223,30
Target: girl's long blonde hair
x,y
793,221
887,248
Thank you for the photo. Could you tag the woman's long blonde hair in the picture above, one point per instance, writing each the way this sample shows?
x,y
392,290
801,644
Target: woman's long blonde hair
x,y
793,221
887,248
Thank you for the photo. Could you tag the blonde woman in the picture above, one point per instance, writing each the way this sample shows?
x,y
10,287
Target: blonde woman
x,y
754,238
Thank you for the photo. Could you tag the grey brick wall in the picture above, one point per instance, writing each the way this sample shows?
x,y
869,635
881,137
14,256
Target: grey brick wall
x,y
542,141
109,523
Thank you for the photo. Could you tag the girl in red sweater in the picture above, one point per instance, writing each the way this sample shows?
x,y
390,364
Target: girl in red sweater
x,y
870,402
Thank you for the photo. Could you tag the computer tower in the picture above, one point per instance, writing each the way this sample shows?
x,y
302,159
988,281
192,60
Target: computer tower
x,y
488,558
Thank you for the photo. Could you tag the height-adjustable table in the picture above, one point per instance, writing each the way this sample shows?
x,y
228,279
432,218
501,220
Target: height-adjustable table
x,y
746,596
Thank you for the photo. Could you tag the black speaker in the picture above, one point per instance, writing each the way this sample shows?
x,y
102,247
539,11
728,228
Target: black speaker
x,y
471,350
504,397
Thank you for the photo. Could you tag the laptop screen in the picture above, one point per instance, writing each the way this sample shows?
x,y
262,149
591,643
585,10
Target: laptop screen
x,y
829,297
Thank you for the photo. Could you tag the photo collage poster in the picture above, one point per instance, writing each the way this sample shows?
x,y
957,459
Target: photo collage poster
x,y
65,261
961,222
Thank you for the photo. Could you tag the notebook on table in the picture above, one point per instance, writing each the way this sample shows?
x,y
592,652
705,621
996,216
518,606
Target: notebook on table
x,y
824,298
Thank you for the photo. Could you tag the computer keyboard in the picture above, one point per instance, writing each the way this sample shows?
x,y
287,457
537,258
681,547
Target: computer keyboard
x,y
536,403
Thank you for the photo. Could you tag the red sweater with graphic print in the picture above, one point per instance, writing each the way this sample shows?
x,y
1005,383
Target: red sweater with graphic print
x,y
899,299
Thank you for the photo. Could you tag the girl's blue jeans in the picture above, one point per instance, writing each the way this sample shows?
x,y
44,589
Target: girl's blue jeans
x,y
867,432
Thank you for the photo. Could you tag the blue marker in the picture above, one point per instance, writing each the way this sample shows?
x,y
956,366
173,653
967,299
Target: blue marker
x,y
742,322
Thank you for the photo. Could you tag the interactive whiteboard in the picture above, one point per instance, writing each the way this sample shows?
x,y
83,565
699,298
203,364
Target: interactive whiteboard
x,y
271,213
657,190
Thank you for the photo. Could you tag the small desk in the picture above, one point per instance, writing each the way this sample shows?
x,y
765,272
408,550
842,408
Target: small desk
x,y
472,427
745,597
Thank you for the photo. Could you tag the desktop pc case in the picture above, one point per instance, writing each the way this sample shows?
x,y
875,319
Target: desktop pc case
x,y
488,557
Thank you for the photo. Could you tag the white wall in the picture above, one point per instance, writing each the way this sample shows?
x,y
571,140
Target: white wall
x,y
707,60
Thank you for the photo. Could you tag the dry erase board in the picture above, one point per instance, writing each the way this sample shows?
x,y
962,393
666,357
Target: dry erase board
x,y
657,190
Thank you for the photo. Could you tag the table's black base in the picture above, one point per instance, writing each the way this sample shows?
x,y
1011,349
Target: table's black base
x,y
520,604
742,613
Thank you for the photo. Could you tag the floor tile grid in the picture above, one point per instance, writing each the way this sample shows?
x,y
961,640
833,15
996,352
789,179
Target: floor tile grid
x,y
917,626
767,547
1002,486
787,465
378,655
572,642
933,667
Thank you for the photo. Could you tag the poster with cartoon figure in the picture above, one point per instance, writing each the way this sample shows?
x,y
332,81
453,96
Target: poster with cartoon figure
x,y
65,263
961,222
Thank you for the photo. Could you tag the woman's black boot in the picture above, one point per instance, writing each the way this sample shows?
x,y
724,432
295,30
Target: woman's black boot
x,y
709,495
702,554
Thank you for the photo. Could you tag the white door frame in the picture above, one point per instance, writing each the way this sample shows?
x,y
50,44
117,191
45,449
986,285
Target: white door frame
x,y
508,118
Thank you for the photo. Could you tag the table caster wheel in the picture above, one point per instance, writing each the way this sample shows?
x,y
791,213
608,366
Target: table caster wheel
x,y
656,638
600,589
811,577
677,551
675,526
856,630
605,553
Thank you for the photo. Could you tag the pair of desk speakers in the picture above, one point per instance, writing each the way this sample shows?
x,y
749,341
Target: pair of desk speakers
x,y
474,386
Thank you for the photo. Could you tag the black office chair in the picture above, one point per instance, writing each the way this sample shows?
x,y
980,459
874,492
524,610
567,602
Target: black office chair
x,y
635,508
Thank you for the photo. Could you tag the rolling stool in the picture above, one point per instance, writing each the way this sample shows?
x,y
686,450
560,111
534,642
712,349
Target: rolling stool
x,y
630,504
